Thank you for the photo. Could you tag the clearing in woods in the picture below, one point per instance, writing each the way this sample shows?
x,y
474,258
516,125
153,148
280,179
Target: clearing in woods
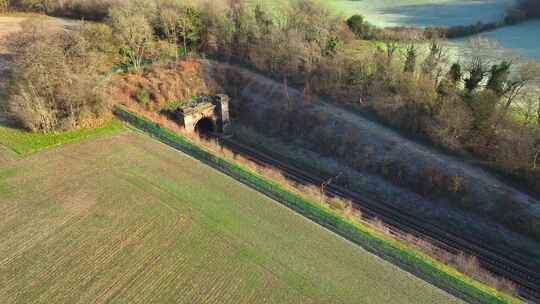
x,y
125,219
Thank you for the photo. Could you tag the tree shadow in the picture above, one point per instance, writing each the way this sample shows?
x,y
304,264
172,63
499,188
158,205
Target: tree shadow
x,y
5,120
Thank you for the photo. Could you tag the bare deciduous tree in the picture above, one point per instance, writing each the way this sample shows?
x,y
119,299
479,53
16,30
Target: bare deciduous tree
x,y
133,31
4,6
56,80
528,73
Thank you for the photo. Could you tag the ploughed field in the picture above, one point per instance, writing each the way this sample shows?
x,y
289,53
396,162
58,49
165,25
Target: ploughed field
x,y
125,219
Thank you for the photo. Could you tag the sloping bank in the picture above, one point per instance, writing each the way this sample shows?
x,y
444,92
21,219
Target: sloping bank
x,y
411,259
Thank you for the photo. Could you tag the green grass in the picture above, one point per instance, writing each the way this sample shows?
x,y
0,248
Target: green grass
x,y
23,142
126,219
412,259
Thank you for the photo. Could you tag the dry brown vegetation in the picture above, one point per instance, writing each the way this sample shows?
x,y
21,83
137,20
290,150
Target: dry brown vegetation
x,y
166,84
8,26
56,78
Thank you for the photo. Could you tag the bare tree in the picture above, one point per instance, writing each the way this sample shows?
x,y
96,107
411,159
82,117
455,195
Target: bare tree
x,y
453,123
169,14
434,64
538,112
391,47
536,157
4,6
56,81
45,6
477,72
512,89
327,183
410,59
134,33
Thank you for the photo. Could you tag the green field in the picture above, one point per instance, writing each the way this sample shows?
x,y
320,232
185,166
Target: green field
x,y
22,142
413,12
421,12
125,219
519,39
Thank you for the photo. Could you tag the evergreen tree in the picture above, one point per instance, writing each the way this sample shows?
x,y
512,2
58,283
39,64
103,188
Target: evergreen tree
x,y
477,74
455,74
499,77
410,62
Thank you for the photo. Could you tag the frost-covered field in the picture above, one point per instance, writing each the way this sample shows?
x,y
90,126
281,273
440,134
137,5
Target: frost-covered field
x,y
521,39
423,12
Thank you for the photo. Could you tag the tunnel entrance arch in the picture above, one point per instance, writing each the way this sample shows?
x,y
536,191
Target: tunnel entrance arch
x,y
205,126
205,114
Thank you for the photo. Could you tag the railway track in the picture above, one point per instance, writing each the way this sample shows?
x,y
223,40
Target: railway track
x,y
509,265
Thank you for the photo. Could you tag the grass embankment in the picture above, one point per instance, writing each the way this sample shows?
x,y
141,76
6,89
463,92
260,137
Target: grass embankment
x,y
126,219
23,142
421,264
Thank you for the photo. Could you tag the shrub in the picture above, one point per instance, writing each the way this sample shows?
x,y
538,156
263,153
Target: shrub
x,y
56,81
143,98
96,10
44,6
134,32
361,28
4,6
101,41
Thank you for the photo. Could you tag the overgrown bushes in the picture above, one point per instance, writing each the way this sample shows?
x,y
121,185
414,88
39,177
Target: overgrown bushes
x,y
95,10
56,82
4,6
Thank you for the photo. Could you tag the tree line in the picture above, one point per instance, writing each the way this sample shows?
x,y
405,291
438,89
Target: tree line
x,y
528,8
470,106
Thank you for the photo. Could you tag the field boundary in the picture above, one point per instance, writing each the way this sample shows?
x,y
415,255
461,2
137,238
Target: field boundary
x,y
368,238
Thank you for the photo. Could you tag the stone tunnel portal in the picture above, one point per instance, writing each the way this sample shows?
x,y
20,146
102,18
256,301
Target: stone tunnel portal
x,y
205,114
205,126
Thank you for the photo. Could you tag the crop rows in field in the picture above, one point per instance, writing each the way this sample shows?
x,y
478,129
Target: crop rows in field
x,y
127,220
